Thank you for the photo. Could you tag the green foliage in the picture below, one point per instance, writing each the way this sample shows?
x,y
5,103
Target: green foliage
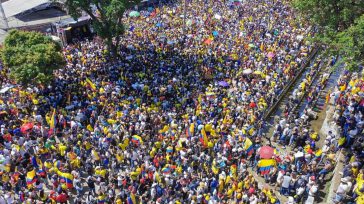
x,y
340,24
108,20
350,44
31,57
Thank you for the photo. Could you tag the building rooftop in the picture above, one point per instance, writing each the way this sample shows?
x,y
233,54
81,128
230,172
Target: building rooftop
x,y
16,7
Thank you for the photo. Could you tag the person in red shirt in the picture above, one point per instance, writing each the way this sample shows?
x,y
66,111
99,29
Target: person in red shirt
x,y
62,198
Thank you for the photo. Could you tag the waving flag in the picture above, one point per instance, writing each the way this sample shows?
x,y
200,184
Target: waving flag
x,y
265,165
31,178
248,146
131,199
67,178
203,138
101,199
318,153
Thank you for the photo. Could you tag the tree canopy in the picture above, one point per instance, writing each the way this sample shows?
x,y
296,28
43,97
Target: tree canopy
x,y
106,16
31,57
340,24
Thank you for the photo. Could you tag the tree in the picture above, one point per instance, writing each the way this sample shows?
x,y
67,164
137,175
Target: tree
x,y
350,44
31,57
106,20
340,23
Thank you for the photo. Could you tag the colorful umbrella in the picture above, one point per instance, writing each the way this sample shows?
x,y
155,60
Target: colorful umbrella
x,y
134,14
27,126
266,152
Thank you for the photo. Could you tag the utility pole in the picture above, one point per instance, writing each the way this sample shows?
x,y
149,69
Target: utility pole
x,y
5,20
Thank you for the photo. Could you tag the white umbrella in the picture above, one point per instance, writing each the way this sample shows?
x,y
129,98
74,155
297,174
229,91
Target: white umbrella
x,y
247,71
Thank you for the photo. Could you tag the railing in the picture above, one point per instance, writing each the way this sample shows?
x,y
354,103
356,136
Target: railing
x,y
290,84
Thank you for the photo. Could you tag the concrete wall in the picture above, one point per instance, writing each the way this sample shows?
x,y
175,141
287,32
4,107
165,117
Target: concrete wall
x,y
329,125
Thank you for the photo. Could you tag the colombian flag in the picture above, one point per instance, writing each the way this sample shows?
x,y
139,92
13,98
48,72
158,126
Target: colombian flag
x,y
248,146
318,153
131,199
66,178
203,138
265,165
31,178
101,199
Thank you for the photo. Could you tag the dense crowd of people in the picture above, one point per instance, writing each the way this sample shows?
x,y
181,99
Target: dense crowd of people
x,y
348,100
178,119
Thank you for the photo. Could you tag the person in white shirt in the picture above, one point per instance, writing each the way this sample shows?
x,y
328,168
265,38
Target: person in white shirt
x,y
285,184
280,178
343,188
313,188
